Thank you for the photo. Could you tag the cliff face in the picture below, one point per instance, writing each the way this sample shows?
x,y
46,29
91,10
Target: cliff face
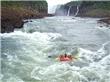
x,y
95,9
70,8
87,8
14,12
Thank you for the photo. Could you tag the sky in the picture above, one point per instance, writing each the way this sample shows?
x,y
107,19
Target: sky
x,y
55,2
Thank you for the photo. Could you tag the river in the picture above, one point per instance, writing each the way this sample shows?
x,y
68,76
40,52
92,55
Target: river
x,y
24,52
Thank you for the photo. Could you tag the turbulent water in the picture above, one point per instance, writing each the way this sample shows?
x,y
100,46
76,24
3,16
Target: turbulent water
x,y
24,53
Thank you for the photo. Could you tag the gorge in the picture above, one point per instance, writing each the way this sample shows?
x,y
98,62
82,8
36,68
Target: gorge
x,y
32,41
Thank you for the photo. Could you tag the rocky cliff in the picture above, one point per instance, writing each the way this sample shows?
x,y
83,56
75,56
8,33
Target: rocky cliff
x,y
86,8
14,12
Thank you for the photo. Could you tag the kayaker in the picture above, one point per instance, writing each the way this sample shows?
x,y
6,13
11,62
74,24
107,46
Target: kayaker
x,y
65,57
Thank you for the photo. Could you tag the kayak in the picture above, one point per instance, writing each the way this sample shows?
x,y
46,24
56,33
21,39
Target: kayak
x,y
63,58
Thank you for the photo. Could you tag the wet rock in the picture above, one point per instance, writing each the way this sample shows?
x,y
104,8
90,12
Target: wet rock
x,y
10,19
105,20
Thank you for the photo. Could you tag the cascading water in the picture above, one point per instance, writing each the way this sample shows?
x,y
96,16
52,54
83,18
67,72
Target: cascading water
x,y
24,52
53,4
52,9
68,13
77,11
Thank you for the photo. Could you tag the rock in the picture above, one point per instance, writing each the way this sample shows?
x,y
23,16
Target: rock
x,y
13,14
50,15
10,19
105,20
86,8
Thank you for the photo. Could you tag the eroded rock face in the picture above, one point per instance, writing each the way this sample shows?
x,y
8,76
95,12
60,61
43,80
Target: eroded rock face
x,y
86,8
10,19
13,13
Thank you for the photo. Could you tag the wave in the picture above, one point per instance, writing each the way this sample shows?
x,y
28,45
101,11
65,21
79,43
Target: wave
x,y
85,69
24,54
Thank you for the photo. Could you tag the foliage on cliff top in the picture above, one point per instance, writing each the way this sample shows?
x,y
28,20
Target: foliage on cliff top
x,y
93,4
38,5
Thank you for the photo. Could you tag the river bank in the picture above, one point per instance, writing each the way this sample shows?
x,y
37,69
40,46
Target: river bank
x,y
105,20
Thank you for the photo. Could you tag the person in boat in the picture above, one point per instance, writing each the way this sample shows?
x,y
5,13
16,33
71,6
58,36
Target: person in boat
x,y
65,57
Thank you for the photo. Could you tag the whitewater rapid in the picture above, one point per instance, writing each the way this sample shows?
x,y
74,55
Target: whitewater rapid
x,y
24,52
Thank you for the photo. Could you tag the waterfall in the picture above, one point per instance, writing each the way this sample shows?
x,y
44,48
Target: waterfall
x,y
52,9
53,4
77,11
68,13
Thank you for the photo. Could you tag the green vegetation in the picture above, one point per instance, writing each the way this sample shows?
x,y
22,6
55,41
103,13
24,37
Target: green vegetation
x,y
94,4
37,5
97,4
